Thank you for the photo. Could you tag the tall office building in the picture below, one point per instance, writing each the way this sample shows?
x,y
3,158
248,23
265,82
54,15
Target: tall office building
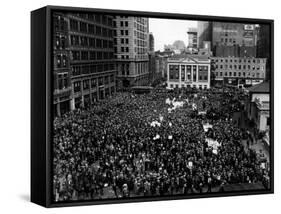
x,y
234,39
84,69
92,58
151,43
131,50
204,32
263,46
192,38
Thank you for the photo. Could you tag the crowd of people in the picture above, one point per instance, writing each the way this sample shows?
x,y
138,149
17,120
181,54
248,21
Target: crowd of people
x,y
114,150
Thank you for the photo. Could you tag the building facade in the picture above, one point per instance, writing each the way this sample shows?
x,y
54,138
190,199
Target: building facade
x,y
91,58
84,69
131,50
188,71
204,32
237,70
234,39
263,46
61,65
258,106
151,43
192,38
161,65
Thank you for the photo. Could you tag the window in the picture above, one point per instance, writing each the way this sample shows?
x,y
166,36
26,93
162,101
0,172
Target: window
x,y
98,43
64,61
77,86
84,55
91,28
73,25
93,83
84,41
57,42
99,55
92,55
104,44
86,84
58,61
74,40
268,121
83,27
92,42
100,81
76,70
98,31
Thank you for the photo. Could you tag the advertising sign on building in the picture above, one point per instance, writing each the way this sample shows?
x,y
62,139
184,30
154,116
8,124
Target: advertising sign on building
x,y
249,27
248,34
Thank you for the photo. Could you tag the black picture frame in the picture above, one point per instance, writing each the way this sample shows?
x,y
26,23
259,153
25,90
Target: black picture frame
x,y
41,104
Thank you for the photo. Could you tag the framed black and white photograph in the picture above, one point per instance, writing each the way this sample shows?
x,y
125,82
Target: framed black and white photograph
x,y
134,106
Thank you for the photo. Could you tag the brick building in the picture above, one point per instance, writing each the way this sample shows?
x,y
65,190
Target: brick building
x,y
85,64
238,70
61,66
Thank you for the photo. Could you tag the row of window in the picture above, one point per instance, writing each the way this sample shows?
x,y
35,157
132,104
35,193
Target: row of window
x,y
102,19
141,20
62,81
124,23
93,29
94,96
140,27
61,61
140,50
187,86
85,41
124,68
228,40
239,74
91,68
140,35
60,42
124,32
239,60
91,55
240,67
59,22
92,83
141,43
186,73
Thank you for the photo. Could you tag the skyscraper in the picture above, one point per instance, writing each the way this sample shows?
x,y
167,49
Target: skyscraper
x,y
204,32
131,50
192,38
151,42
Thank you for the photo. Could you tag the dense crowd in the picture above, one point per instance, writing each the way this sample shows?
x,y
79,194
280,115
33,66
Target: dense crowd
x,y
113,150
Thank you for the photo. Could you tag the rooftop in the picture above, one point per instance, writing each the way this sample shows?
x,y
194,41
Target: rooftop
x,y
260,88
190,57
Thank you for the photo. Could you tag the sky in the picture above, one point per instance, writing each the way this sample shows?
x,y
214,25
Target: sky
x,y
166,31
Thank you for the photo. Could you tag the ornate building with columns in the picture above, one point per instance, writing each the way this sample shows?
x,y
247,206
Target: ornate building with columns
x,y
188,71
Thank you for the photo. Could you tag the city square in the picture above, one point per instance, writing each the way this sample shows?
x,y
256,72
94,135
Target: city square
x,y
138,115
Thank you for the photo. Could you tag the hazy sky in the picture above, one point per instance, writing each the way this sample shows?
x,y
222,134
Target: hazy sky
x,y
166,31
